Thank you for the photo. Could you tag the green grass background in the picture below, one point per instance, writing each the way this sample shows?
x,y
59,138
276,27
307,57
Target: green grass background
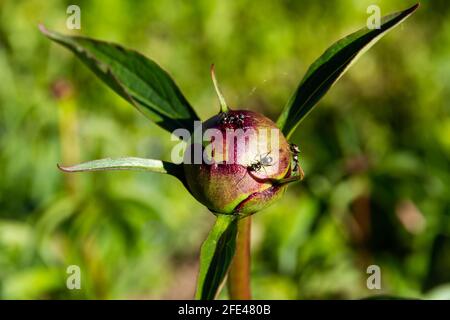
x,y
376,151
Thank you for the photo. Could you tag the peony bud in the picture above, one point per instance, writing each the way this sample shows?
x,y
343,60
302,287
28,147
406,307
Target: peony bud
x,y
239,174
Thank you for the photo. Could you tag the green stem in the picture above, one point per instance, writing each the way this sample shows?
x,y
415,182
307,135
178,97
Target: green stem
x,y
239,273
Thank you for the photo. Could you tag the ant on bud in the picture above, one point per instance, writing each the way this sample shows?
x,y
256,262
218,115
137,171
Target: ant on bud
x,y
240,120
263,161
237,119
295,150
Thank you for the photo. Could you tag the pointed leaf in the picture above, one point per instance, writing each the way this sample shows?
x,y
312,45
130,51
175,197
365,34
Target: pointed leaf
x,y
330,66
215,256
129,163
134,77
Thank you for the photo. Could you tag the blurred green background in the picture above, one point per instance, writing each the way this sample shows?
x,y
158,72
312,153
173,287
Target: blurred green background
x,y
376,151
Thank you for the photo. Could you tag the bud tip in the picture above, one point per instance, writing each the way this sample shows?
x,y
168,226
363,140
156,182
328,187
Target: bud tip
x,y
223,104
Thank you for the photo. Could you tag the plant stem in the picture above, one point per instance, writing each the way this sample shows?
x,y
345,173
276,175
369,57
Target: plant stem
x,y
239,273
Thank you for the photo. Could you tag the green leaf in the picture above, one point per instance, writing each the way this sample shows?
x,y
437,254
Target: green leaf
x,y
330,66
134,77
215,256
129,163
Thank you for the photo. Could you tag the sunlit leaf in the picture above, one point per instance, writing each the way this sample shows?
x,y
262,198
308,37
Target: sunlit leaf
x,y
129,163
136,78
330,66
215,256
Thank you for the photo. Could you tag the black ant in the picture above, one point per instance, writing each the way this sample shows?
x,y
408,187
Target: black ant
x,y
263,161
224,119
233,119
295,150
240,120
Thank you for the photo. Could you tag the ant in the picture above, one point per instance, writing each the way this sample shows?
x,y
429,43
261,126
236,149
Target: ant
x,y
295,150
263,161
240,120
233,119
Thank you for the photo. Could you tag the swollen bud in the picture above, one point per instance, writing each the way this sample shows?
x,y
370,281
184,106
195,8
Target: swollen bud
x,y
241,163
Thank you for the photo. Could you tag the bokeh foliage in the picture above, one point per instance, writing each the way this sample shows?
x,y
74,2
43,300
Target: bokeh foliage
x,y
376,151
